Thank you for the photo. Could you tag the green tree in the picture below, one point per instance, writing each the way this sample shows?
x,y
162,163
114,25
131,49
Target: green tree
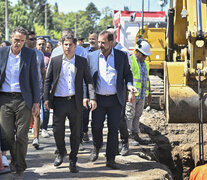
x,y
18,16
106,20
36,9
92,13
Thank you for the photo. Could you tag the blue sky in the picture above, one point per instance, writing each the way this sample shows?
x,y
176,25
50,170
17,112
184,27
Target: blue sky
x,y
75,5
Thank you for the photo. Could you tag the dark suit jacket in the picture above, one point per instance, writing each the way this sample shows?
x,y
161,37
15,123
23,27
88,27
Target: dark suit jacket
x,y
124,74
28,77
82,73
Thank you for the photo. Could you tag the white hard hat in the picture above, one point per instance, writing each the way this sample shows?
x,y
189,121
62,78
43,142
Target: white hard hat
x,y
143,46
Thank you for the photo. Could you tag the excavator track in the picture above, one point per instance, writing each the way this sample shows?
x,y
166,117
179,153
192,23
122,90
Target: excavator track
x,y
157,89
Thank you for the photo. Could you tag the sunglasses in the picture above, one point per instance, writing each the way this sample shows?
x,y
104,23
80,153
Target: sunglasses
x,y
32,39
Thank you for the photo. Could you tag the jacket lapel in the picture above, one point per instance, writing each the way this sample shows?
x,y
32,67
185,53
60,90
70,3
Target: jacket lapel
x,y
23,59
116,60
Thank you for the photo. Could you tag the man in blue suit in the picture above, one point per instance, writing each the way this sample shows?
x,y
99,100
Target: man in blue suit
x,y
111,74
19,97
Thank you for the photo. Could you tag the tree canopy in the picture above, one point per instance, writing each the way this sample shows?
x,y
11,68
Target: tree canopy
x,y
30,14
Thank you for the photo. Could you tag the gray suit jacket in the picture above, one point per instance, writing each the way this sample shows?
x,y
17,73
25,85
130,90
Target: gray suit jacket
x,y
28,77
82,73
124,74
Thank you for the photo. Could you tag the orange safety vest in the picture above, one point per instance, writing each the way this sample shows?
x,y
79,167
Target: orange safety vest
x,y
199,173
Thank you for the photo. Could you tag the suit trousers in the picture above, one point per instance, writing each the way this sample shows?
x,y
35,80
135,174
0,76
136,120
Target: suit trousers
x,y
63,108
14,123
123,128
110,106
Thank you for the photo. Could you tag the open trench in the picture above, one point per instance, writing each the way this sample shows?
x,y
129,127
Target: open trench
x,y
177,144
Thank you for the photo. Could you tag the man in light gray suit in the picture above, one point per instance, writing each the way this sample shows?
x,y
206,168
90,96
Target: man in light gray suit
x,y
19,97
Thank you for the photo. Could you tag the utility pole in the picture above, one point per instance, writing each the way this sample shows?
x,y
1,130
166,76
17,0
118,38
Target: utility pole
x,y
75,25
6,21
148,5
45,18
142,17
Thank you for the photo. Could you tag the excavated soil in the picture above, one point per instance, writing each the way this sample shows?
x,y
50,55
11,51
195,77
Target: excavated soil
x,y
177,144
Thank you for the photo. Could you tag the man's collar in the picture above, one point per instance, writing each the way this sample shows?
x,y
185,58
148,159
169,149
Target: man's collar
x,y
11,53
112,52
65,58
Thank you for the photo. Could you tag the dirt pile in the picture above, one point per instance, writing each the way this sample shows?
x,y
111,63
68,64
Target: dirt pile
x,y
177,144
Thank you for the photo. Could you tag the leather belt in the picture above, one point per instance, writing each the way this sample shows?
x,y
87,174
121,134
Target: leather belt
x,y
64,98
107,95
11,94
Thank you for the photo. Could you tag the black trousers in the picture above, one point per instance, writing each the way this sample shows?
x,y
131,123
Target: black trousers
x,y
123,128
63,108
110,106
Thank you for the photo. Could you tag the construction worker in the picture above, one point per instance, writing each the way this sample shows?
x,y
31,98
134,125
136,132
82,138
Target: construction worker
x,y
140,70
199,173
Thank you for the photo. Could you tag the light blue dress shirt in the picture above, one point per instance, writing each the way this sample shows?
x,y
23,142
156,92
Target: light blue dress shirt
x,y
11,83
107,75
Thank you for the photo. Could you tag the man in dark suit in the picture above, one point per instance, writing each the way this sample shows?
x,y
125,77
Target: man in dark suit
x,y
63,92
111,74
19,97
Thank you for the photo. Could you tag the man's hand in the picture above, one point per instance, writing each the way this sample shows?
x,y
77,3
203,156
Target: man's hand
x,y
132,89
131,97
35,109
85,102
46,104
92,104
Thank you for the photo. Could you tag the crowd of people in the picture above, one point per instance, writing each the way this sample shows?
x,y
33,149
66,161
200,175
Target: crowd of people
x,y
101,79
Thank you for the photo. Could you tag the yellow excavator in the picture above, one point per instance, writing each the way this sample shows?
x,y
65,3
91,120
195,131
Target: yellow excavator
x,y
182,54
185,70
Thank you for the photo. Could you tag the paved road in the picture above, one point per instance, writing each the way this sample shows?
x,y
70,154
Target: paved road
x,y
137,165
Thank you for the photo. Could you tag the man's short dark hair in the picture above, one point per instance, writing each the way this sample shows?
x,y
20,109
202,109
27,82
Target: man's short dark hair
x,y
94,32
69,36
6,42
20,30
41,38
67,31
110,36
31,33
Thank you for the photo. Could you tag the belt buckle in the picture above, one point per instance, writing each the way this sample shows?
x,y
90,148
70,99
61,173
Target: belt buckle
x,y
13,94
68,97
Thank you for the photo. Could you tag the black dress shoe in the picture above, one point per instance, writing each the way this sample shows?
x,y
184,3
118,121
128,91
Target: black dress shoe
x,y
94,155
112,164
58,160
124,149
73,167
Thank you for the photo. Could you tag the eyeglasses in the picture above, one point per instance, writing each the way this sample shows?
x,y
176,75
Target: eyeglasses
x,y
32,39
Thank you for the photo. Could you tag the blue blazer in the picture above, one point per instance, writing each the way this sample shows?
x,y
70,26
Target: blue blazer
x,y
28,77
124,74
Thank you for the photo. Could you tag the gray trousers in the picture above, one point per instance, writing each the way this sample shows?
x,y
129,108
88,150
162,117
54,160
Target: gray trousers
x,y
133,112
14,123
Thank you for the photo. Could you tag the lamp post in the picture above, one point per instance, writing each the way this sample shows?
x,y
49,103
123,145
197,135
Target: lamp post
x,y
45,18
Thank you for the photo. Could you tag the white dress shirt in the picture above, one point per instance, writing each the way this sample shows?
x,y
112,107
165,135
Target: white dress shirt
x,y
66,84
11,83
107,75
